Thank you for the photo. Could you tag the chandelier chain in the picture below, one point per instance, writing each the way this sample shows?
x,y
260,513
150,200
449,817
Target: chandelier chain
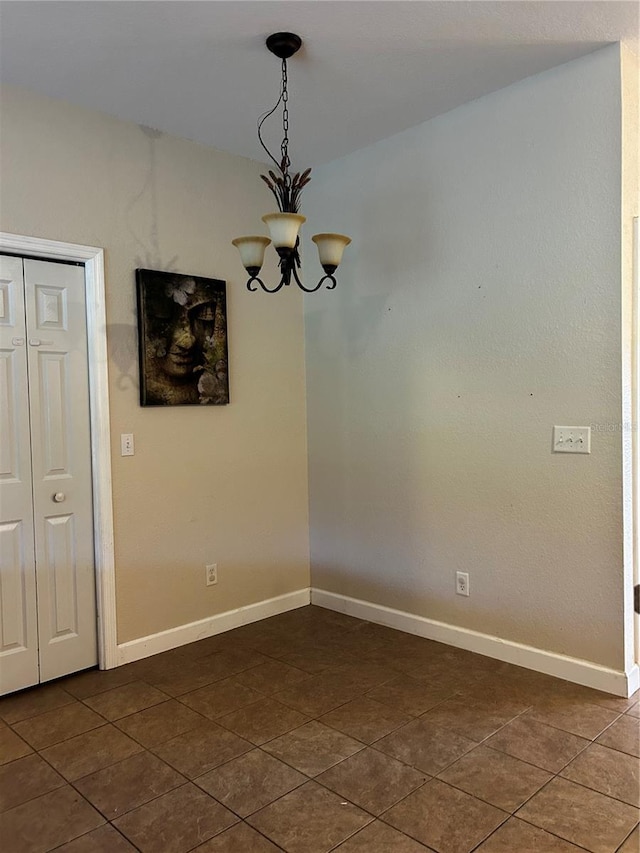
x,y
284,147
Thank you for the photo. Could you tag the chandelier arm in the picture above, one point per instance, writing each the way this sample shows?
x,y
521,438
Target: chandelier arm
x,y
264,286
333,283
254,278
302,286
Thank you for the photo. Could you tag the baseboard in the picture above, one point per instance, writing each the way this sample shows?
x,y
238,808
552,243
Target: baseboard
x,y
183,634
571,669
633,680
561,666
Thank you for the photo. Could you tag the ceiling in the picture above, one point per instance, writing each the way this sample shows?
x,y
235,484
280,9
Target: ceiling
x,y
366,71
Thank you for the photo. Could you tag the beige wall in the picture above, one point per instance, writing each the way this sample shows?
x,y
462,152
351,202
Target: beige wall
x,y
480,305
207,484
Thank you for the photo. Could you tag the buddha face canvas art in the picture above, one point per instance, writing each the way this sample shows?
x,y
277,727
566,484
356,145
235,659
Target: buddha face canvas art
x,y
182,322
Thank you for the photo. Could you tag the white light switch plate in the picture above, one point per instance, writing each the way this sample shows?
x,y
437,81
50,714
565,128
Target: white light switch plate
x,y
568,439
127,447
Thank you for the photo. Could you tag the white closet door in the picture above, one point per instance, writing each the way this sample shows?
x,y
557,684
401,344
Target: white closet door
x,y
61,466
18,620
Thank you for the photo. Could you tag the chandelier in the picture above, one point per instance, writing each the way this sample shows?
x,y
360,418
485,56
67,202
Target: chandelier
x,y
284,226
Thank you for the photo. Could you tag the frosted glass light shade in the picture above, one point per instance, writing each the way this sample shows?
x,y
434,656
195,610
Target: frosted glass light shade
x,y
284,228
331,247
251,250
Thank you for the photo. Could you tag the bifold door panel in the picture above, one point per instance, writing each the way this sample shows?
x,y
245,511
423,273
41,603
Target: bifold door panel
x,y
48,592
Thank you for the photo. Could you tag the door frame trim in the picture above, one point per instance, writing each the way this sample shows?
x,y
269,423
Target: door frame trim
x,y
93,260
632,577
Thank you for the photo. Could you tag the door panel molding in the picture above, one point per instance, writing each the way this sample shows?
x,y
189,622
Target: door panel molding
x,y
93,260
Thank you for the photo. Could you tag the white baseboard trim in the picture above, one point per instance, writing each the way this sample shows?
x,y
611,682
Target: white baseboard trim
x,y
183,634
633,679
571,669
561,666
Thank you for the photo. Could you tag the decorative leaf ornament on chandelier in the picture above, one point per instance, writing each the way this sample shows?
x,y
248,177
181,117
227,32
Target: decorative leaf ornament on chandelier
x,y
284,226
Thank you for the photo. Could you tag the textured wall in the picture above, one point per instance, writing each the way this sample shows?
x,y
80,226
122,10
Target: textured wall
x,y
207,484
479,305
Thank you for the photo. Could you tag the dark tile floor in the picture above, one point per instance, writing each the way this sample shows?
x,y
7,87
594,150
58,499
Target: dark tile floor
x,y
313,731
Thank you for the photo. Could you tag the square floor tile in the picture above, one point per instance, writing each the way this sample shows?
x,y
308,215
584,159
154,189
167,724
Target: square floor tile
x,y
409,695
220,698
96,681
90,751
239,839
176,822
313,748
160,723
33,702
584,817
311,658
382,635
156,671
427,747
197,751
365,676
516,836
210,645
271,677
104,839
250,782
176,681
573,716
125,700
474,718
11,746
200,671
388,656
228,662
377,837
444,818
496,778
128,784
332,619
26,779
273,644
318,695
536,743
608,771
309,820
623,735
263,721
48,821
607,700
365,719
58,725
632,844
357,642
372,780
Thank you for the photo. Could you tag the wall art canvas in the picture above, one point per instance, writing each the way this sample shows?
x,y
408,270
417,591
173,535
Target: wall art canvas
x,y
182,339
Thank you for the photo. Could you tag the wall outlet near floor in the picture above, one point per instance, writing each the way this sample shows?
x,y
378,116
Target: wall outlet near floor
x,y
211,574
462,583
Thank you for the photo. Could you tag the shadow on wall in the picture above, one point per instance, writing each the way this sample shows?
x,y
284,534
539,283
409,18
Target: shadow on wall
x,y
122,343
122,338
